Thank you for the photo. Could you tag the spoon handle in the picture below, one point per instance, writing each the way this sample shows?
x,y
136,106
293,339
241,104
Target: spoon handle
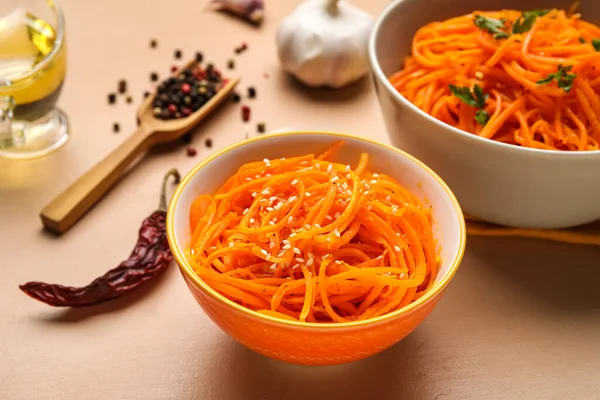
x,y
69,206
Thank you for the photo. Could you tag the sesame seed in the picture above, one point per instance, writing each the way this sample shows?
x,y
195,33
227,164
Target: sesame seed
x,y
271,223
304,163
297,250
267,174
270,208
292,234
339,262
347,169
335,178
329,239
348,176
345,186
285,241
251,220
281,253
300,260
379,257
336,232
268,257
328,217
248,179
290,219
337,215
373,181
318,167
388,199
254,194
273,267
282,159
397,248
271,245
369,207
398,234
367,186
329,168
375,175
394,209
287,247
257,176
310,262
231,244
273,198
193,251
311,255
265,192
317,225
266,253
292,198
246,211
277,206
307,194
267,162
294,181
366,193
296,266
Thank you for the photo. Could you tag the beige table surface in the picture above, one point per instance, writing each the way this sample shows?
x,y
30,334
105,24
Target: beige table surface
x,y
521,320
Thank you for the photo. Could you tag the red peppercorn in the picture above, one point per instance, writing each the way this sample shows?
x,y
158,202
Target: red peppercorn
x,y
200,75
174,68
245,113
172,108
185,88
191,151
186,112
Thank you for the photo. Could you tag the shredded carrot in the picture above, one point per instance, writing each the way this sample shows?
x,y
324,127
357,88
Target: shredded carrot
x,y
313,240
521,108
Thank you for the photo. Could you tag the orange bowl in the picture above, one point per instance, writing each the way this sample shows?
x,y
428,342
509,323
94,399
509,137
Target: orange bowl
x,y
318,343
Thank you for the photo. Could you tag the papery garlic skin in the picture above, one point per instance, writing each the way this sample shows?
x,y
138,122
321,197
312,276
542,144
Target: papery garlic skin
x,y
325,43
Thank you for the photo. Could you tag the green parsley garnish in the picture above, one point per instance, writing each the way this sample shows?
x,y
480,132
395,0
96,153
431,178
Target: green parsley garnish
x,y
525,21
494,26
596,44
564,80
475,98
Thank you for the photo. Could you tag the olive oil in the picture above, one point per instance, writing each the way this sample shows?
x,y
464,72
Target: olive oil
x,y
29,73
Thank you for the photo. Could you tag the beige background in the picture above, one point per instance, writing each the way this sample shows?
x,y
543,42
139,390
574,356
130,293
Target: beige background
x,y
520,320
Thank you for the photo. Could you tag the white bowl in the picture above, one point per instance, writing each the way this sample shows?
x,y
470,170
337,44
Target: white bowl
x,y
323,343
493,181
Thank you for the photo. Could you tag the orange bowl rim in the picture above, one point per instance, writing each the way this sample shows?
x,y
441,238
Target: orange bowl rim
x,y
188,271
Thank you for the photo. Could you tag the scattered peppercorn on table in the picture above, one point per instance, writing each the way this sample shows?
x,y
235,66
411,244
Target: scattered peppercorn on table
x,y
520,320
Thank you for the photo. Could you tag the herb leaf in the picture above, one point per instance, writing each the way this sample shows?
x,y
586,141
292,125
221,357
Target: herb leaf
x,y
491,25
564,80
596,44
582,40
525,21
476,98
482,117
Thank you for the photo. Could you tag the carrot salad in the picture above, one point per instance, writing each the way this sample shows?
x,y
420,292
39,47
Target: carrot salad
x,y
525,78
307,239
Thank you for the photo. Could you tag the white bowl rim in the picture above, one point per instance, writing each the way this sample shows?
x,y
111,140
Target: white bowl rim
x,y
517,150
187,270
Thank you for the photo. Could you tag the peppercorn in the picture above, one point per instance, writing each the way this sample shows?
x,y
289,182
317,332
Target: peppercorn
x,y
112,98
146,94
191,151
245,113
172,108
174,68
251,92
186,111
187,100
199,57
241,48
153,43
235,97
122,86
129,99
185,88
153,76
187,138
177,54
231,64
208,143
116,127
261,127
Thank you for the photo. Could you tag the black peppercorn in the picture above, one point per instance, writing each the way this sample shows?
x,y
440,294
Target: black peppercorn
x,y
251,92
235,97
122,86
177,54
261,127
153,76
208,143
112,98
231,64
129,99
116,127
146,94
199,57
153,43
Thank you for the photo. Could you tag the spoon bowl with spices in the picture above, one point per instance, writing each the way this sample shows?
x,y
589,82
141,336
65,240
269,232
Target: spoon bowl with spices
x,y
180,103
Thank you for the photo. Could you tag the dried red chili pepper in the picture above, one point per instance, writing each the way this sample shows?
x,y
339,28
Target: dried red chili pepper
x,y
150,256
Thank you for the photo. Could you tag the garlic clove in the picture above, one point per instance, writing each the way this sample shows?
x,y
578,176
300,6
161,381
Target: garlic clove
x,y
251,10
324,43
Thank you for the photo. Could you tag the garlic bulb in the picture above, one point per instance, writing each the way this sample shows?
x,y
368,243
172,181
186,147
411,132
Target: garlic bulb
x,y
324,42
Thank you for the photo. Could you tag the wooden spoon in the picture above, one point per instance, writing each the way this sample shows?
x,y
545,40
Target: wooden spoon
x,y
69,206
